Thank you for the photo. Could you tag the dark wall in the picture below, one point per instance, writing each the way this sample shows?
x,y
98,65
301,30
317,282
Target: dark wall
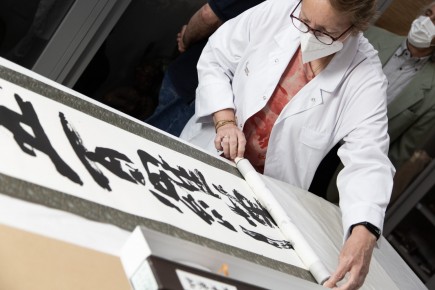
x,y
147,26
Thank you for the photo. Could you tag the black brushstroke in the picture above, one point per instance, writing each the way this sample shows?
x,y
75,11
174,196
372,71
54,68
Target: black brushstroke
x,y
165,201
28,143
81,151
111,159
191,203
280,244
252,212
246,209
192,180
220,189
161,181
255,210
189,181
222,221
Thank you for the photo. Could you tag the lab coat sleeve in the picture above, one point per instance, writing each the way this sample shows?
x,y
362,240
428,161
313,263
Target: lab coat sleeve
x,y
219,61
365,183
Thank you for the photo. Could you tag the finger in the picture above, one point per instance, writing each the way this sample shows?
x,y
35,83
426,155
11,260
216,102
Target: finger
x,y
355,280
233,143
241,145
337,276
329,284
225,142
350,284
218,142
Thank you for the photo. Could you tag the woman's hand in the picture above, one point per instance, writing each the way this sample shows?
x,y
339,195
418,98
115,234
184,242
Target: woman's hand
x,y
354,260
231,140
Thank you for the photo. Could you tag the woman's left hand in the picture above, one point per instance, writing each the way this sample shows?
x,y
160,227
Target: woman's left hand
x,y
354,260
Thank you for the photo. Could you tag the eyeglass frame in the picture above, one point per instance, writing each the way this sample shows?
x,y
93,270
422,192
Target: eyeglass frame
x,y
315,30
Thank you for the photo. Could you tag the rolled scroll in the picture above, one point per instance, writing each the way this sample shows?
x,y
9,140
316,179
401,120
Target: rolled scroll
x,y
288,228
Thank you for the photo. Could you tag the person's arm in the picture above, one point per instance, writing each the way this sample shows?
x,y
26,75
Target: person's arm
x,y
200,26
366,181
215,100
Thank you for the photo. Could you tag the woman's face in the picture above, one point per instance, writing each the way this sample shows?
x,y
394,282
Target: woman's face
x,y
320,15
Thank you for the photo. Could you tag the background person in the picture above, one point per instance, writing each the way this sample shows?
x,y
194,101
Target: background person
x,y
408,63
177,93
284,94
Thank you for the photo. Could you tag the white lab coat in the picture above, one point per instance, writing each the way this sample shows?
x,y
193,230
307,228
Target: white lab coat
x,y
240,68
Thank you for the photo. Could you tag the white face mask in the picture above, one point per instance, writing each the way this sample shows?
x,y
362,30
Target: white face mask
x,y
313,49
421,33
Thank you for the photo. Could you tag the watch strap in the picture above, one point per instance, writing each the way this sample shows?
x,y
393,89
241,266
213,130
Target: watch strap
x,y
370,227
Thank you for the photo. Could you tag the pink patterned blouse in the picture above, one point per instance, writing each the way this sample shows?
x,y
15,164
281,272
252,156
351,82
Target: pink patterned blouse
x,y
258,127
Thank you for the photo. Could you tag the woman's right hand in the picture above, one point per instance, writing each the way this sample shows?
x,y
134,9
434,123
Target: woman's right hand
x,y
231,140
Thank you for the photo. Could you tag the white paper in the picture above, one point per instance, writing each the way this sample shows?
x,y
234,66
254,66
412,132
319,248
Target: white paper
x,y
214,217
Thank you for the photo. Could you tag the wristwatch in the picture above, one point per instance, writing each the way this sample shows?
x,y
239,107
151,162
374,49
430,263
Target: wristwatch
x,y
373,229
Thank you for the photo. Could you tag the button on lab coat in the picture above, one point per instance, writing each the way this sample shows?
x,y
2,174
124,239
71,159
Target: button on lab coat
x,y
240,68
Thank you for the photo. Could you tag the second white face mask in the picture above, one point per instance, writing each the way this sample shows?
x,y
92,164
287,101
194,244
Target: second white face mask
x,y
421,33
312,48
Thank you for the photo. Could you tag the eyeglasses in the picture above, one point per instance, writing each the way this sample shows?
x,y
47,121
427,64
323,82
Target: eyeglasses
x,y
303,27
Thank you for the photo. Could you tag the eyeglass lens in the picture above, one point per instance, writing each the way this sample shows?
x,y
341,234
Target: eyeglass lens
x,y
303,27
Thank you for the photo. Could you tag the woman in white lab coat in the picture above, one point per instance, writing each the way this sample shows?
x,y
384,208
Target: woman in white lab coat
x,y
281,85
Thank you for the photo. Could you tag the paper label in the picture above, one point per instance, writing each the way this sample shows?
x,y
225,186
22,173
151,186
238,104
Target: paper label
x,y
144,278
191,281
